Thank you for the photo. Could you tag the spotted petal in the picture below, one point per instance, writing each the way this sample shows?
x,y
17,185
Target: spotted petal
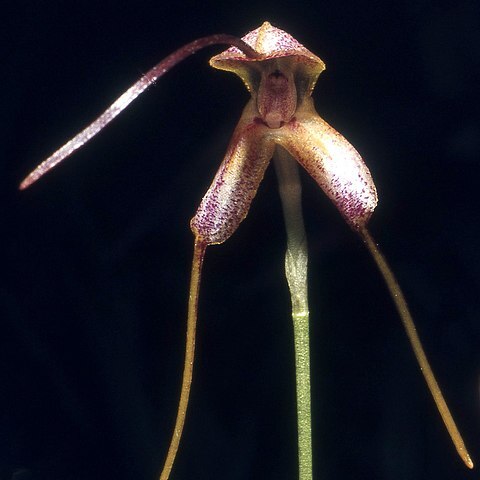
x,y
230,195
271,43
333,163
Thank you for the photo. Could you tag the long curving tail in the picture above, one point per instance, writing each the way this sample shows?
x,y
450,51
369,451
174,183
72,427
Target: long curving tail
x,y
198,255
407,320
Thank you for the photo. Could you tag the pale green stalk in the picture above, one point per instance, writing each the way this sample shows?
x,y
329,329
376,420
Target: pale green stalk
x,y
296,260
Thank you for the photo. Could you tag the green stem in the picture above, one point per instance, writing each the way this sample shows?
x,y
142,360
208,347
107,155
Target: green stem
x,y
296,260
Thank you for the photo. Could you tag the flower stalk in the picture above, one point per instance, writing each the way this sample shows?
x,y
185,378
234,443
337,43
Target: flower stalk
x,y
296,263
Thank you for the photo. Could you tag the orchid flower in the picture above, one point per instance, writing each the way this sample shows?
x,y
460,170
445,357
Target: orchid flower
x,y
280,122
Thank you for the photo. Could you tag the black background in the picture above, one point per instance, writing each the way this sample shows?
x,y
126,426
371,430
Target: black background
x,y
96,256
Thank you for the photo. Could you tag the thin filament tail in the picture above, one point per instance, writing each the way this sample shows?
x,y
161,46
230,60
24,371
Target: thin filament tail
x,y
407,320
129,96
198,255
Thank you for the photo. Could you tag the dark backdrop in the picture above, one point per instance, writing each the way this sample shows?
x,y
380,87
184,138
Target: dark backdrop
x,y
96,256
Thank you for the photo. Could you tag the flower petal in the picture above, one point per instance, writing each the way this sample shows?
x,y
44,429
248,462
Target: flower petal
x,y
230,195
271,43
332,162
